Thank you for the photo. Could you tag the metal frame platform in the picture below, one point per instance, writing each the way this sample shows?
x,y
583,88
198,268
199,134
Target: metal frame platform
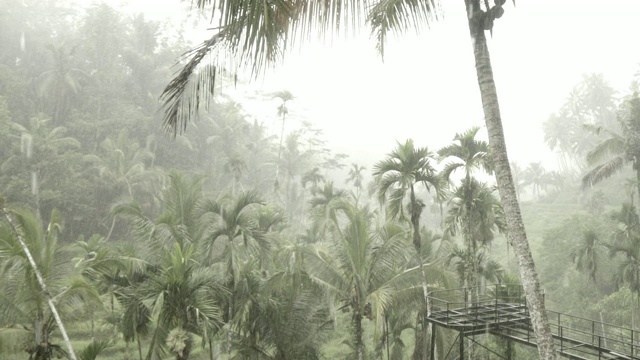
x,y
501,310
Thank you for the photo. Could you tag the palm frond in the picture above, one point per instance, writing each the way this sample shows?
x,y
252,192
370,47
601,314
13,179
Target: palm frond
x,y
190,86
612,146
603,171
399,16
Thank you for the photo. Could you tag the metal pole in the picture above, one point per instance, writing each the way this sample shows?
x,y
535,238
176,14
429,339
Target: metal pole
x,y
433,340
461,345
599,346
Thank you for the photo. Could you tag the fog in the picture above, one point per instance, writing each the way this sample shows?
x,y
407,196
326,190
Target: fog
x,y
426,87
335,205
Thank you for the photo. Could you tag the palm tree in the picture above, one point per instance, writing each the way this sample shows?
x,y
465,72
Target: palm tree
x,y
625,241
469,154
62,82
586,254
397,175
362,270
283,110
300,311
475,212
258,35
118,273
518,177
536,176
35,271
46,155
355,177
590,103
466,153
488,269
617,150
122,169
232,221
182,296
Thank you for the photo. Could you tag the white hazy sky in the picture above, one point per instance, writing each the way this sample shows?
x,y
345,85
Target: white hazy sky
x,y
426,89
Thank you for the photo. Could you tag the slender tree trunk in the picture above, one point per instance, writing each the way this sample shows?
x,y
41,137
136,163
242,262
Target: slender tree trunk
x,y
139,346
638,180
16,230
506,188
416,211
358,332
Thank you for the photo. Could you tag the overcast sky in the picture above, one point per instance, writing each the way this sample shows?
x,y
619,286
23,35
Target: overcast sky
x,y
426,89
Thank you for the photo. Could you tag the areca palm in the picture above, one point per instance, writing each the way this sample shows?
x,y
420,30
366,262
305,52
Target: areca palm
x,y
355,177
235,223
322,209
488,270
466,153
476,213
182,300
259,35
397,175
474,210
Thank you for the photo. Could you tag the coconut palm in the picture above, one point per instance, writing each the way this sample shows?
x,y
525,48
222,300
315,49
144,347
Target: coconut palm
x,y
397,176
363,271
46,155
35,271
433,252
259,35
518,177
618,149
118,273
591,102
62,82
628,271
586,254
537,177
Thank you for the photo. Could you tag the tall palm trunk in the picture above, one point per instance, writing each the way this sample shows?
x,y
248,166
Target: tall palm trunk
x,y
416,211
43,286
471,268
358,334
506,187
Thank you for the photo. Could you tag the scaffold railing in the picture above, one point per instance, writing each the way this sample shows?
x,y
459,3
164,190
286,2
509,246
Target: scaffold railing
x,y
501,310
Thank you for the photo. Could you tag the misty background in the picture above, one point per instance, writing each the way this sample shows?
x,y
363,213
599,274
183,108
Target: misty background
x,y
265,188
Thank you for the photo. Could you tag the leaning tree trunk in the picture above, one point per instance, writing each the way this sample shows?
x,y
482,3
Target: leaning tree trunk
x,y
16,230
515,226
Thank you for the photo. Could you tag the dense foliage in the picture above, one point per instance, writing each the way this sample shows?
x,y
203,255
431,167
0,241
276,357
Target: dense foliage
x,y
241,240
